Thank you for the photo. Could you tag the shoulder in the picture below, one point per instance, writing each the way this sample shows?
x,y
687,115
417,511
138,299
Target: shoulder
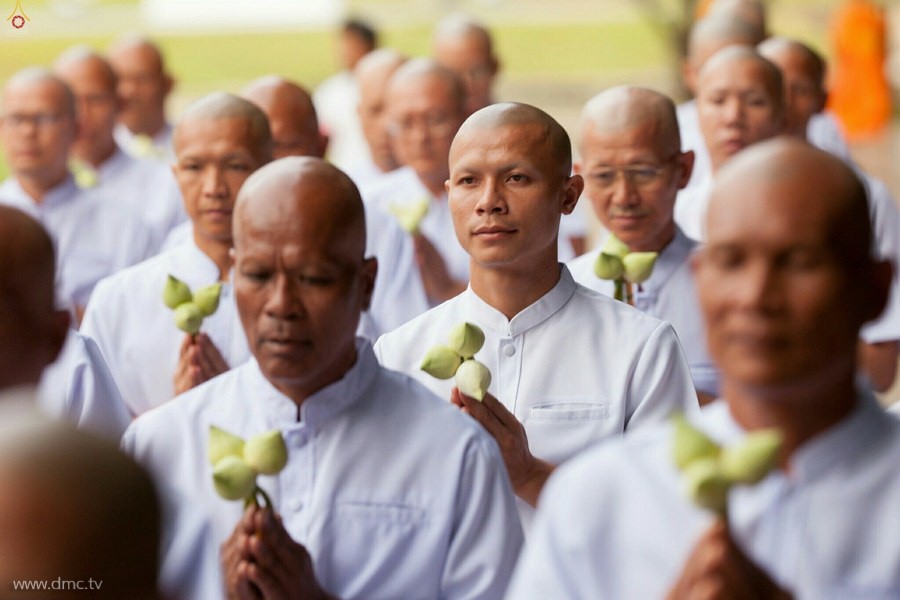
x,y
140,276
614,313
435,321
394,186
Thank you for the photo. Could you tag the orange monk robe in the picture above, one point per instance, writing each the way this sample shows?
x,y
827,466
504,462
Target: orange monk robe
x,y
860,95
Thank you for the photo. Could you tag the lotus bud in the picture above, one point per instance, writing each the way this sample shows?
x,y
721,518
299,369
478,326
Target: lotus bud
x,y
608,266
233,478
441,362
706,485
85,175
266,453
222,444
466,339
188,317
473,379
207,298
176,292
410,215
751,460
638,266
690,444
614,246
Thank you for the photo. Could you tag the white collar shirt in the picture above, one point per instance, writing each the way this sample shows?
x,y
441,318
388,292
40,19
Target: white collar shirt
x,y
574,367
78,387
824,131
147,187
93,236
394,493
670,294
885,219
692,139
137,334
160,147
402,186
826,531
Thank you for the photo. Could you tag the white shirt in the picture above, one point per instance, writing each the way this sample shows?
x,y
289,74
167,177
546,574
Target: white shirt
x,y
93,235
402,186
79,388
364,172
136,331
394,493
160,148
147,187
669,295
824,131
885,219
336,100
574,367
615,523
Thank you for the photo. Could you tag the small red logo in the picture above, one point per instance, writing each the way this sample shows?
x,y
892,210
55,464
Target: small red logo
x,y
18,17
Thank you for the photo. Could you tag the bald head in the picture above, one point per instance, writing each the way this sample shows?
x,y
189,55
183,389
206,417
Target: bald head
x,y
305,195
373,72
292,117
31,330
751,12
803,72
75,507
766,73
80,60
143,86
554,139
708,36
140,48
221,105
625,107
465,47
31,78
423,71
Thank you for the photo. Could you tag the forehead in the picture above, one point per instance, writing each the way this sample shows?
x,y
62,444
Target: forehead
x,y
83,75
463,47
420,93
509,143
136,59
45,95
737,75
639,139
202,136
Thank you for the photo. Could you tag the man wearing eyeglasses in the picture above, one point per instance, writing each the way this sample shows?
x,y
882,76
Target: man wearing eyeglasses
x,y
94,237
633,168
425,107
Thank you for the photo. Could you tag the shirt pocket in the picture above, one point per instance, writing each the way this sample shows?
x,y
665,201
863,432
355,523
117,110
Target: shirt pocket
x,y
558,429
378,551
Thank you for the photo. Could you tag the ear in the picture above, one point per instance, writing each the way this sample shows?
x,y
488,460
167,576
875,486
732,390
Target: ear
x,y
495,65
322,144
168,84
878,293
685,161
688,76
368,273
232,257
574,185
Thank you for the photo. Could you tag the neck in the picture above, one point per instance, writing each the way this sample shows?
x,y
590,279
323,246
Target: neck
x,y
510,289
218,251
97,156
299,392
656,245
37,186
150,125
799,411
434,184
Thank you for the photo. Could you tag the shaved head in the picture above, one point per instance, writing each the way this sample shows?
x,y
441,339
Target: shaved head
x,y
513,114
38,76
311,194
75,507
769,74
373,72
465,47
221,105
82,57
708,36
292,117
776,47
148,51
143,86
625,107
751,12
425,69
31,330
376,67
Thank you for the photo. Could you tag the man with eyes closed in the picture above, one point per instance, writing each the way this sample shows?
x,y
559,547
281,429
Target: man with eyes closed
x,y
633,169
570,366
219,141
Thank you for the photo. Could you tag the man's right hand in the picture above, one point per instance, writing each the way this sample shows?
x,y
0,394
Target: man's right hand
x,y
198,361
438,283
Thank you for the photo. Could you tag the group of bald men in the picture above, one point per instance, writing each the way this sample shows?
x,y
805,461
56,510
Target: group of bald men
x,y
772,304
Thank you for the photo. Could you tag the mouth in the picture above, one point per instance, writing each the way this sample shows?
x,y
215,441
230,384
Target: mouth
x,y
284,344
494,230
733,145
217,214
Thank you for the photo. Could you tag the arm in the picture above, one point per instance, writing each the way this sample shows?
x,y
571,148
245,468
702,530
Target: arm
x,y
526,473
439,285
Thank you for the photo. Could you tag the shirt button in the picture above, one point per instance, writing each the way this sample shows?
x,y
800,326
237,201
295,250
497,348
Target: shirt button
x,y
509,349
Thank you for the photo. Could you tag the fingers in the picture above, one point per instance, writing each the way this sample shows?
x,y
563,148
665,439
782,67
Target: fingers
x,y
503,415
207,358
480,413
280,565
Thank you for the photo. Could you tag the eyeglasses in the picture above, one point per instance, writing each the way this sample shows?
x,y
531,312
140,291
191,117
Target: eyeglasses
x,y
435,125
39,120
636,175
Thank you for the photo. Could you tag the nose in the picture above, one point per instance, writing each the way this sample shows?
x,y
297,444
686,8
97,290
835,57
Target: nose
x,y
214,185
734,111
759,288
624,192
284,301
491,199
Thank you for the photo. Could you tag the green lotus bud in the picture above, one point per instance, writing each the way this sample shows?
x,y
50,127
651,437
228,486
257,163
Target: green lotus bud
x,y
266,453
222,444
690,444
608,266
207,298
751,460
466,339
233,478
614,246
176,292
85,175
441,362
473,379
638,266
188,317
410,215
706,485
